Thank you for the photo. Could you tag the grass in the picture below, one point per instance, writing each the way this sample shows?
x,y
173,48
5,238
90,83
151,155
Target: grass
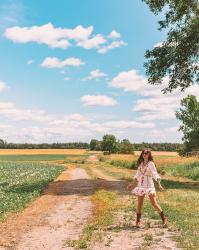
x,y
190,170
38,157
124,164
20,183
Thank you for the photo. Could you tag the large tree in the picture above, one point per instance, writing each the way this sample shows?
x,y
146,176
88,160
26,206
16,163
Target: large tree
x,y
177,57
109,143
189,116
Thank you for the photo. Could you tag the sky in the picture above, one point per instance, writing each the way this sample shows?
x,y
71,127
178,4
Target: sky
x,y
73,70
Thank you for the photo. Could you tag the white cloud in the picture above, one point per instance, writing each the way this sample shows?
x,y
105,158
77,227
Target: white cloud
x,y
66,78
3,86
155,105
10,111
114,34
113,45
57,37
159,44
102,100
95,74
54,62
91,43
29,62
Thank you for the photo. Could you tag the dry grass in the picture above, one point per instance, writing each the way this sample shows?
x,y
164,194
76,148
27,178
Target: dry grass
x,y
43,151
166,153
160,159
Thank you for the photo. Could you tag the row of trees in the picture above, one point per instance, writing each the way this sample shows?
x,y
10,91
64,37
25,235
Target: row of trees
x,y
69,145
110,144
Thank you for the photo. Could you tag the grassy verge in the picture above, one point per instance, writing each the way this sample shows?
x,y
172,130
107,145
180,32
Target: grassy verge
x,y
22,182
190,170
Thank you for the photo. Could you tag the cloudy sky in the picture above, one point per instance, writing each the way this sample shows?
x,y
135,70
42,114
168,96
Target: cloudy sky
x,y
73,70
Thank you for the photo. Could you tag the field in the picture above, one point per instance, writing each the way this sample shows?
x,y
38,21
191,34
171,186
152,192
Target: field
x,y
25,173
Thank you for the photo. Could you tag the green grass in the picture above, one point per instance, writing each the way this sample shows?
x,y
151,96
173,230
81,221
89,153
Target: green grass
x,y
39,157
124,164
20,183
190,170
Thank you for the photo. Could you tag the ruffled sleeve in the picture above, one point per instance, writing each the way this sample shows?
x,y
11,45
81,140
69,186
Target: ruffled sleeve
x,y
153,171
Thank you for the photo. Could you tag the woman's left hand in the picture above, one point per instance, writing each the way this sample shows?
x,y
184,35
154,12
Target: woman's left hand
x,y
160,187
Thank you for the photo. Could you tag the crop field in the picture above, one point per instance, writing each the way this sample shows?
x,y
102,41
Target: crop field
x,y
20,183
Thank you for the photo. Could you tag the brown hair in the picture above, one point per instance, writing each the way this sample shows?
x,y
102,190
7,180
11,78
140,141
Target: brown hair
x,y
141,159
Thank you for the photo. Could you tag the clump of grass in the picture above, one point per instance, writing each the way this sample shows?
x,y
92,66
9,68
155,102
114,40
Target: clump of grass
x,y
124,164
190,170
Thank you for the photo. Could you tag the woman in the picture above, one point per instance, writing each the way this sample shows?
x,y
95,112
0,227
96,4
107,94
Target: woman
x,y
144,185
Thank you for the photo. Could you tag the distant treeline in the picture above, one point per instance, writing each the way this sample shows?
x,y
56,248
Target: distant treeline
x,y
112,145
93,145
68,145
164,146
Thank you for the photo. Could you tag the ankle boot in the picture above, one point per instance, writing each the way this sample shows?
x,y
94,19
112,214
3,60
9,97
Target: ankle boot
x,y
164,221
138,219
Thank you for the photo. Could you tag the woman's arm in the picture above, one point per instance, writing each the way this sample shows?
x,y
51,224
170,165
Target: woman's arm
x,y
155,175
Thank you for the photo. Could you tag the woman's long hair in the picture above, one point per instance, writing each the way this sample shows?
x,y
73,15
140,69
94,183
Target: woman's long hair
x,y
141,159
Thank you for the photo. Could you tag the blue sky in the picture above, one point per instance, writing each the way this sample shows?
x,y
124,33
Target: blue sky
x,y
73,70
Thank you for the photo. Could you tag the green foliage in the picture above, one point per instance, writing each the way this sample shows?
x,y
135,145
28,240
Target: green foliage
x,y
189,116
69,145
41,157
177,57
22,182
95,145
109,143
125,147
124,164
190,170
171,147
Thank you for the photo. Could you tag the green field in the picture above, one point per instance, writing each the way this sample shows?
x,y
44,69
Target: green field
x,y
37,157
22,182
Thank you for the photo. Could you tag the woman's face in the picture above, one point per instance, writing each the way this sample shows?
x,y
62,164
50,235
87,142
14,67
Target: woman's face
x,y
145,155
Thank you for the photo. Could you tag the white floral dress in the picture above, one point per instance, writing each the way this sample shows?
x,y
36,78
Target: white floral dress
x,y
145,176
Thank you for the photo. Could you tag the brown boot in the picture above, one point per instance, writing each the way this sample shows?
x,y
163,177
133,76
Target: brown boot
x,y
138,220
164,220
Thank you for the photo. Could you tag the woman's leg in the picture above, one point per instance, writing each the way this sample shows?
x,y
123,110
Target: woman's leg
x,y
154,203
158,208
140,200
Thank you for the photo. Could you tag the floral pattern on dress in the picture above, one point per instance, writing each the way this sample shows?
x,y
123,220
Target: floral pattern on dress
x,y
145,176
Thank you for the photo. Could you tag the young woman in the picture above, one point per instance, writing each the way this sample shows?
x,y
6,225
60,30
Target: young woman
x,y
143,185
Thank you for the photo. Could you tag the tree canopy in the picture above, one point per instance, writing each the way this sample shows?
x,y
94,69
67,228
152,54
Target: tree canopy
x,y
189,116
177,57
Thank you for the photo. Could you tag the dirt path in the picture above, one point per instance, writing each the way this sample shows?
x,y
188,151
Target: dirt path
x,y
58,215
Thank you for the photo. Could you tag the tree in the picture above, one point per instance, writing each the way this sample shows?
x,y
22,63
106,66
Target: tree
x,y
125,147
189,115
109,144
177,57
95,145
